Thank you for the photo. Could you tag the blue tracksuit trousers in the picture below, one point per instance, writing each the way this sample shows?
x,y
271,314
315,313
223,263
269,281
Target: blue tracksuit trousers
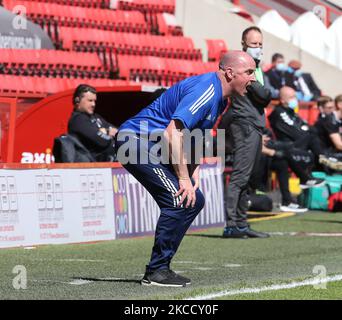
x,y
161,182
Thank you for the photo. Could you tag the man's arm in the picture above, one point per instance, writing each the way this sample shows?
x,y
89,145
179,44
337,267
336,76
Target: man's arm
x,y
268,85
174,139
82,127
336,140
259,95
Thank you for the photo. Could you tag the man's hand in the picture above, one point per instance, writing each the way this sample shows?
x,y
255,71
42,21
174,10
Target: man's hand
x,y
265,139
112,131
103,130
186,189
196,178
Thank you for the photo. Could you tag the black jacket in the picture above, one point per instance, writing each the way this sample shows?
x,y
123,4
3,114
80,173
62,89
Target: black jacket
x,y
287,125
250,107
310,82
86,128
327,125
279,79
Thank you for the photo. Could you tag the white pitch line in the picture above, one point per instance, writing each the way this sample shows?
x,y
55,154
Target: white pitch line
x,y
79,282
269,288
232,265
307,234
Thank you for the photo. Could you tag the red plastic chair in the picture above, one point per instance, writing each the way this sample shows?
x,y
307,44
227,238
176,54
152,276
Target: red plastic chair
x,y
215,48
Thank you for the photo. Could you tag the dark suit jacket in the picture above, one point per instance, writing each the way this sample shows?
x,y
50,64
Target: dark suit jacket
x,y
279,79
310,82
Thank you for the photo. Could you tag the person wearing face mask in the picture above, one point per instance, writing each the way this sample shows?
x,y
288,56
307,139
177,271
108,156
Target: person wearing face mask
x,y
304,84
329,128
277,77
245,124
292,130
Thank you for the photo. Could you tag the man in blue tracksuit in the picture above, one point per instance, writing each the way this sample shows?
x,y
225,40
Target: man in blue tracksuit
x,y
194,103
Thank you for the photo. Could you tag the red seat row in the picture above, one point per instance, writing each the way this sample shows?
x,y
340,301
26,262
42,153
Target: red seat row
x,y
148,5
167,25
53,58
129,43
18,84
215,49
85,17
155,65
81,3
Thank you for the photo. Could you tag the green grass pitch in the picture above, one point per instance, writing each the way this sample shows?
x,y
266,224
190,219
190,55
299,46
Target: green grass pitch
x,y
111,270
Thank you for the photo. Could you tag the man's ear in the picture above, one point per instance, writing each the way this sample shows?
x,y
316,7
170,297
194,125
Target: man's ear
x,y
229,74
244,45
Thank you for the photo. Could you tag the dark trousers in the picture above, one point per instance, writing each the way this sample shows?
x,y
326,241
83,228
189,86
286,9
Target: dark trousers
x,y
309,141
161,182
246,141
297,160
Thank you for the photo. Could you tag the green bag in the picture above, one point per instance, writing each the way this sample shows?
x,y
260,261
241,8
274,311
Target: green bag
x,y
317,198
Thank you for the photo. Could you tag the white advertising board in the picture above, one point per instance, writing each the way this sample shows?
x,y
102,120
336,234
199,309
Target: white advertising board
x,y
42,206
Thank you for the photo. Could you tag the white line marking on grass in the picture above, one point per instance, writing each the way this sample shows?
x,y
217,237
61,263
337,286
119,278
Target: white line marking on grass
x,y
202,268
79,282
307,234
232,265
283,233
268,288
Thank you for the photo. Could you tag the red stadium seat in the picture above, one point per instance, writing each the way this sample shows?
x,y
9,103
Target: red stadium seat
x,y
35,85
81,16
129,43
148,5
215,49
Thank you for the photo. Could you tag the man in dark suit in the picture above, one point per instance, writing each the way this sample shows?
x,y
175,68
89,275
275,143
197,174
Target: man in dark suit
x,y
304,84
277,77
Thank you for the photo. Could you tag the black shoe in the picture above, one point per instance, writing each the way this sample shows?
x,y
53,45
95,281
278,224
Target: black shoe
x,y
256,234
234,232
164,278
242,233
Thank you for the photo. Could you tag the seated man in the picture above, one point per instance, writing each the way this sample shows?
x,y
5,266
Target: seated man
x,y
329,128
304,84
291,130
276,156
95,133
277,77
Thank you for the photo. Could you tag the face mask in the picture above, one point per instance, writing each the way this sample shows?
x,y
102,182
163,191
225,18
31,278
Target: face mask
x,y
293,103
290,70
255,53
281,67
298,73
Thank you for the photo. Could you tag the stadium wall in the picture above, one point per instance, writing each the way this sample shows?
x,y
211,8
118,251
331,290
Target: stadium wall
x,y
36,128
76,203
211,19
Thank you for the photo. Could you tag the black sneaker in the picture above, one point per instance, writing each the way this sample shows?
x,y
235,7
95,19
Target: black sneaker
x,y
164,278
256,234
234,232
243,233
311,183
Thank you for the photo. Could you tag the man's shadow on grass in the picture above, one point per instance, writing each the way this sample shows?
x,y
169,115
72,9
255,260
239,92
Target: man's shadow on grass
x,y
215,236
107,280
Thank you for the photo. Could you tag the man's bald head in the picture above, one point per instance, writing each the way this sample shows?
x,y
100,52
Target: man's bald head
x,y
236,59
236,72
286,93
